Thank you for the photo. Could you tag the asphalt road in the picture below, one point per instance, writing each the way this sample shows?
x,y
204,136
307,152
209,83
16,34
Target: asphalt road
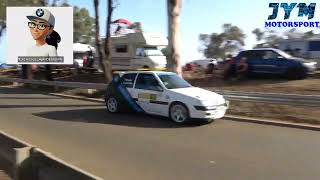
x,y
129,146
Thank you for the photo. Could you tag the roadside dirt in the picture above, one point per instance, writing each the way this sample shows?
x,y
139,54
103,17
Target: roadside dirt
x,y
310,86
301,114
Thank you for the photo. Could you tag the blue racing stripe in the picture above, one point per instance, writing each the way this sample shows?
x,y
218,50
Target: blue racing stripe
x,y
127,97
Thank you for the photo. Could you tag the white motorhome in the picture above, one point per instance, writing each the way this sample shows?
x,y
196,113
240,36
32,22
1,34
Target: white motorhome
x,y
138,50
304,48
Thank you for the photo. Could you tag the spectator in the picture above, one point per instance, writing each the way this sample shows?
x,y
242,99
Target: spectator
x,y
242,68
230,69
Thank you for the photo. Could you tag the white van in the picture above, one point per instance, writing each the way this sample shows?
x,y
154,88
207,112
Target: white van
x,y
138,50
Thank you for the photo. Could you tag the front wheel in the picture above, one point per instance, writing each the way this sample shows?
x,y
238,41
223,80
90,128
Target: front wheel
x,y
296,73
209,69
112,104
179,113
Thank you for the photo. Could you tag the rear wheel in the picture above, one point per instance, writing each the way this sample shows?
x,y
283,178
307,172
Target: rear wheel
x,y
179,113
112,104
210,68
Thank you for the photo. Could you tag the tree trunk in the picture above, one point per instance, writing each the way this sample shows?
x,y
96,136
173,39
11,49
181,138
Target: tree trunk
x,y
107,45
98,43
174,61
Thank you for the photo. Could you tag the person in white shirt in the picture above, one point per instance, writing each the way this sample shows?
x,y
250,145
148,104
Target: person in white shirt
x,y
41,25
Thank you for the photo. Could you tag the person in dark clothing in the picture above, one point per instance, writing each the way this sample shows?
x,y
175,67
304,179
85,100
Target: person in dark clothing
x,y
53,39
90,58
242,68
230,69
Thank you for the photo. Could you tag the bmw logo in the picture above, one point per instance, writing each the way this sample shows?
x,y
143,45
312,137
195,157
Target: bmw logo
x,y
39,12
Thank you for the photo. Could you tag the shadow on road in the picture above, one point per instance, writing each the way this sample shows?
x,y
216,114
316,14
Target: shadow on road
x,y
22,98
123,119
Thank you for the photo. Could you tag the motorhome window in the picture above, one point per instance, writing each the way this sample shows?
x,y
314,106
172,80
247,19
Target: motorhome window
x,y
152,51
140,52
121,48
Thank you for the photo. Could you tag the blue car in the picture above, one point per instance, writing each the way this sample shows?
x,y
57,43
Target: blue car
x,y
275,61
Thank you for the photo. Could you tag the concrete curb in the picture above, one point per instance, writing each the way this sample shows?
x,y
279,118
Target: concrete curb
x,y
273,122
49,155
227,117
77,97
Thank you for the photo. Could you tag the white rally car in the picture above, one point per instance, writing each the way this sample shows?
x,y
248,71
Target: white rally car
x,y
165,94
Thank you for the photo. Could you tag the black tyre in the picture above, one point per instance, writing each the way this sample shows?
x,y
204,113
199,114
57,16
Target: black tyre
x,y
112,104
210,68
296,73
179,113
209,121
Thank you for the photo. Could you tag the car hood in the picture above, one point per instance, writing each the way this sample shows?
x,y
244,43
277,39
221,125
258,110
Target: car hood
x,y
301,60
202,95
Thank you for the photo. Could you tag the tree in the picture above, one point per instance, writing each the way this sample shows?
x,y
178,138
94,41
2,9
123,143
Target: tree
x,y
219,45
259,34
3,4
308,34
104,56
271,38
136,26
83,26
174,61
107,43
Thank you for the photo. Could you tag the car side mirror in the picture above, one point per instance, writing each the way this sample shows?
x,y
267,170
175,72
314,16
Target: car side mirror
x,y
159,88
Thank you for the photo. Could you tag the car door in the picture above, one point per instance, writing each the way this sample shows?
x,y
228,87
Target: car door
x,y
127,80
274,63
256,62
147,90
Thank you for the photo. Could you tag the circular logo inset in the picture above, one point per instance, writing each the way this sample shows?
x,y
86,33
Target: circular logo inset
x,y
39,12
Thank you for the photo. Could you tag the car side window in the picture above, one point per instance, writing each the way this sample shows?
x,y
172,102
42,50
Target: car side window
x,y
128,80
147,82
247,54
257,55
269,55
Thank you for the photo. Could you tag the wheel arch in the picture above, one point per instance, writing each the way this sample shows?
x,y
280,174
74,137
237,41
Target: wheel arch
x,y
178,102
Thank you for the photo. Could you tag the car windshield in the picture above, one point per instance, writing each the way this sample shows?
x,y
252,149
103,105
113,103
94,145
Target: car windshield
x,y
173,81
283,54
152,51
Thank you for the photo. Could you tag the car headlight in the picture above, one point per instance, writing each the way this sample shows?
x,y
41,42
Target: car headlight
x,y
227,103
310,63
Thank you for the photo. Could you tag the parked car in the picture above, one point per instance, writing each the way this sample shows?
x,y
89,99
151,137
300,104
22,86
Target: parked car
x,y
165,94
275,61
208,64
189,67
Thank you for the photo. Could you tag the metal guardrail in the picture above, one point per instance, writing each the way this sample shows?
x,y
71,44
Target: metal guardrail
x,y
275,98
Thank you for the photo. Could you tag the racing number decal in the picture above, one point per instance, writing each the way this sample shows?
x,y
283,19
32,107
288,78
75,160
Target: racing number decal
x,y
147,97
